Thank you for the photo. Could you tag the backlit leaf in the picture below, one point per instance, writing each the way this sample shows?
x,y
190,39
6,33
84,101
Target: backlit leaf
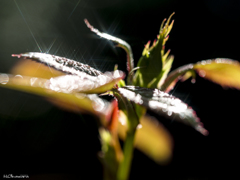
x,y
182,73
163,104
78,101
72,83
225,72
120,43
63,64
85,83
155,63
28,67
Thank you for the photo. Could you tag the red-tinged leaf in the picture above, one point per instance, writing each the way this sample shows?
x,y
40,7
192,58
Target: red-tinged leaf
x,y
163,104
182,73
225,72
113,124
85,83
111,149
151,138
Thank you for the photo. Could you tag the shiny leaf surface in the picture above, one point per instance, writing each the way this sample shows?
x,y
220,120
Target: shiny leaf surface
x,y
85,83
63,64
120,43
72,83
163,104
82,102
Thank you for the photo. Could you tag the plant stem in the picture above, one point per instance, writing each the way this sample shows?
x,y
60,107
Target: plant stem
x,y
125,165
132,121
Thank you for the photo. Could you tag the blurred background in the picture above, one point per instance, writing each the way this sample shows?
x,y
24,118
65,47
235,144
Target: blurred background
x,y
43,141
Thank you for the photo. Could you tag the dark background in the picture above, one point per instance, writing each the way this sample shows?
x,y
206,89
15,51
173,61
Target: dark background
x,y
39,139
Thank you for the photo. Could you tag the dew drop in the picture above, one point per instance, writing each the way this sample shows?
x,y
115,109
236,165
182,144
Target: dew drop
x,y
203,62
202,73
182,116
164,109
122,121
18,79
169,113
32,81
4,78
139,126
18,76
193,81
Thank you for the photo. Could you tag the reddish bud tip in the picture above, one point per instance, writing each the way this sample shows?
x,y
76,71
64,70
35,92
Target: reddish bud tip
x,y
147,45
154,42
16,55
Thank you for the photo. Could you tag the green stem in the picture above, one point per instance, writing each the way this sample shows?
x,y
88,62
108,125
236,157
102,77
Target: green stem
x,y
132,121
125,165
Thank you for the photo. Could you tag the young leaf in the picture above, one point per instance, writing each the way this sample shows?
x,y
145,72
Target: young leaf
x,y
27,67
85,83
163,104
65,65
82,102
120,43
225,72
154,63
182,73
127,107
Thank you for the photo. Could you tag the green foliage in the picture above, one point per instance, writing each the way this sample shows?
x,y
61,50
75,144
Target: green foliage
x,y
155,64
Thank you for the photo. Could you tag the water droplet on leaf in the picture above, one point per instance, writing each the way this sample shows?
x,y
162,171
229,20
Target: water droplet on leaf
x,y
4,78
202,73
169,113
139,126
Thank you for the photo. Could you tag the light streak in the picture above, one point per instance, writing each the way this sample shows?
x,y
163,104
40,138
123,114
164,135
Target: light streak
x,y
28,26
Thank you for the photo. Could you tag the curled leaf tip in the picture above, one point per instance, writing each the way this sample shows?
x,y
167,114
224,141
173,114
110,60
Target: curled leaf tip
x,y
154,42
120,43
88,24
202,130
16,55
162,24
147,45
